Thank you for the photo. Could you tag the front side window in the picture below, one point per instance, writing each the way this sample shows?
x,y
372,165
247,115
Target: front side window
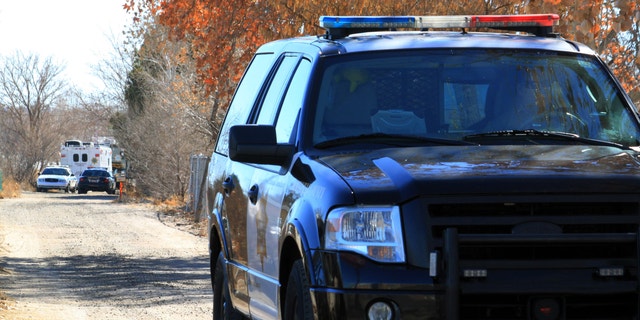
x,y
454,94
288,115
284,97
278,85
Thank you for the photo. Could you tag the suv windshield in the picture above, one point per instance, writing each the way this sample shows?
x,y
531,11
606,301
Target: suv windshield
x,y
456,93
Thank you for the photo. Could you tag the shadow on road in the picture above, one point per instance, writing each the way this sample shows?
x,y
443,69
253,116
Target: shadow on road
x,y
113,278
96,196
57,194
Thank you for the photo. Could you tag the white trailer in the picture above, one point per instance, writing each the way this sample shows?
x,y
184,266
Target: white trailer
x,y
80,156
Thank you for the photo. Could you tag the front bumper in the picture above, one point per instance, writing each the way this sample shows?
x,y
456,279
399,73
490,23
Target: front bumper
x,y
346,284
354,304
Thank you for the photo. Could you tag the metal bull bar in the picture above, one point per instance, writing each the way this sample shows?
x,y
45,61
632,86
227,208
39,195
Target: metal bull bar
x,y
452,262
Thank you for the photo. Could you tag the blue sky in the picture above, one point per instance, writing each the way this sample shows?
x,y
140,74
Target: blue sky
x,y
73,32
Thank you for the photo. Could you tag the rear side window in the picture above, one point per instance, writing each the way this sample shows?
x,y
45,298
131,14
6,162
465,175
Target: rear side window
x,y
244,98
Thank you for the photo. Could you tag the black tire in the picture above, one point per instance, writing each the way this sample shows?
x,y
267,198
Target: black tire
x,y
222,308
67,189
82,191
297,303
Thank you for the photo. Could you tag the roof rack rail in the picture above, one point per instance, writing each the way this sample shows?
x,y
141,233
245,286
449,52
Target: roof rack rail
x,y
342,26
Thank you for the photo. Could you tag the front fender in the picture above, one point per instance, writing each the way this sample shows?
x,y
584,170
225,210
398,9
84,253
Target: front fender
x,y
302,228
216,226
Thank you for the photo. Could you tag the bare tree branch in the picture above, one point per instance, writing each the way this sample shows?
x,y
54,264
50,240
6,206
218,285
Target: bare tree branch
x,y
30,87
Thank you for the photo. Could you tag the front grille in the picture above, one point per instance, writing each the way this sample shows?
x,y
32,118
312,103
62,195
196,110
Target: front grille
x,y
534,250
502,217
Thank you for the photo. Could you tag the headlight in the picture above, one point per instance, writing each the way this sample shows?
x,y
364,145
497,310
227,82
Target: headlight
x,y
372,231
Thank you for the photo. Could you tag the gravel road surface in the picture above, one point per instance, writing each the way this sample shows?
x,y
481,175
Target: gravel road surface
x,y
70,256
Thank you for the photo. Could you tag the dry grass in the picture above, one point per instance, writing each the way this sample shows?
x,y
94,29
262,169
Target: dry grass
x,y
172,211
173,202
10,189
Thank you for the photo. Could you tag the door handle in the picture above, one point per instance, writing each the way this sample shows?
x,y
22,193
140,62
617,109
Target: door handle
x,y
253,194
227,185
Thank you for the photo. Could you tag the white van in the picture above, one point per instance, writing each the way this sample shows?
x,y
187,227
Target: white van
x,y
80,156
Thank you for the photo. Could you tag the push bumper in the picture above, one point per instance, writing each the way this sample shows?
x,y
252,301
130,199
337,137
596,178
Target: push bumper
x,y
469,285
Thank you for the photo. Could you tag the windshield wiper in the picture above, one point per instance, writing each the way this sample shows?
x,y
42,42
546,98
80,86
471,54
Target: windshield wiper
x,y
532,133
397,140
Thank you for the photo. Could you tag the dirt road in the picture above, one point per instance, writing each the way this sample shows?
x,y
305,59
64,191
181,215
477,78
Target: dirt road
x,y
70,256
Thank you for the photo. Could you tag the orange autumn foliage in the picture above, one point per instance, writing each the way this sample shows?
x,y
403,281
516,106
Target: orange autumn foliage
x,y
224,34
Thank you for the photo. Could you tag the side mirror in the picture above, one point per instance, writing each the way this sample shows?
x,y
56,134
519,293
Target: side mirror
x,y
258,144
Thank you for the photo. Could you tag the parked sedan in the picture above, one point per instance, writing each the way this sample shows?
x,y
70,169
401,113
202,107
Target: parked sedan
x,y
57,177
97,180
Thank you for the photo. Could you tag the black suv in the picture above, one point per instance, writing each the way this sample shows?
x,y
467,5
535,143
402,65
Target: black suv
x,y
390,169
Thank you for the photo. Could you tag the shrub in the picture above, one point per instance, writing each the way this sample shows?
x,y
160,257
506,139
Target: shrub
x,y
10,189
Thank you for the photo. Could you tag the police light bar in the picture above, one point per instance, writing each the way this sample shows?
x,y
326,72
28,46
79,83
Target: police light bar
x,y
425,22
509,22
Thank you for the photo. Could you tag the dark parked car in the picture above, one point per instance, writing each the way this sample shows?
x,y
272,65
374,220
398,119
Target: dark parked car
x,y
97,180
427,174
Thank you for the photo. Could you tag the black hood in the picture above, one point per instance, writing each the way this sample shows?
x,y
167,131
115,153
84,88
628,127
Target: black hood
x,y
399,174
